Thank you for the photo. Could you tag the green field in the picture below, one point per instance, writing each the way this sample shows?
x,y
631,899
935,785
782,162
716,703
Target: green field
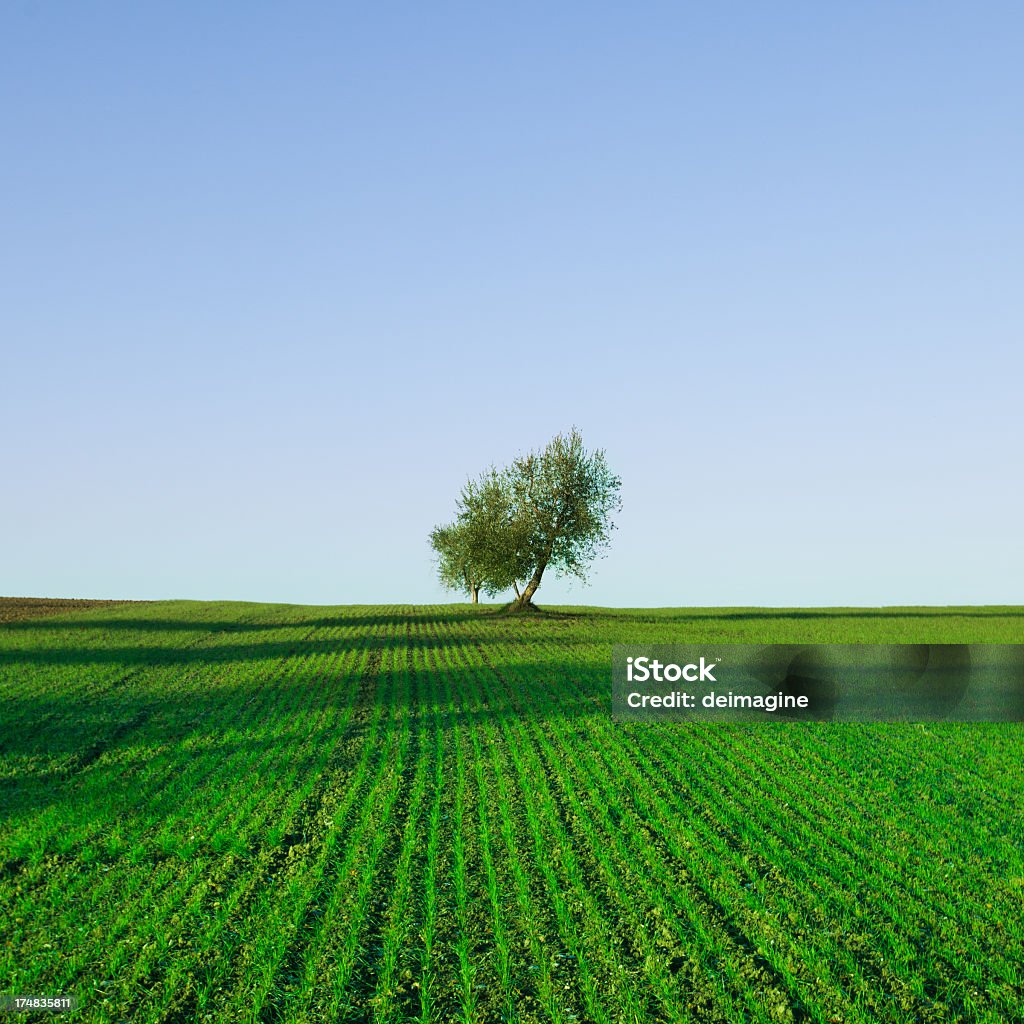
x,y
241,812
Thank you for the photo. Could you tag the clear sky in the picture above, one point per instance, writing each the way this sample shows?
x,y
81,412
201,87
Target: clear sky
x,y
276,278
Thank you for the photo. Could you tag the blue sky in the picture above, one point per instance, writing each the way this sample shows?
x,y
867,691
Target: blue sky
x,y
277,278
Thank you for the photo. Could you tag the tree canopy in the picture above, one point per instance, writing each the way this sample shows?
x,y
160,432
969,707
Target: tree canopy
x,y
549,509
479,551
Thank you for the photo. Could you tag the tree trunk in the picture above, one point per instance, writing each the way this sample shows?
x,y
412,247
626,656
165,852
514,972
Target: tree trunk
x,y
474,592
525,599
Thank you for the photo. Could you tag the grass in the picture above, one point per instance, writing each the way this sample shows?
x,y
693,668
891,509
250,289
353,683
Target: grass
x,y
270,813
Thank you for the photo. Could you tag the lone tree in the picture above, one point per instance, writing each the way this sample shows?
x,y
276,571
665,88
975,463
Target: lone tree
x,y
549,509
563,498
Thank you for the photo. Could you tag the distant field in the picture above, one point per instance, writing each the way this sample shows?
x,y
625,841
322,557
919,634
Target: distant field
x,y
270,813
16,608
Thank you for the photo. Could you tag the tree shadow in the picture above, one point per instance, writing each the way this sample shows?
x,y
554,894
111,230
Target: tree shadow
x,y
219,654
708,615
344,619
87,750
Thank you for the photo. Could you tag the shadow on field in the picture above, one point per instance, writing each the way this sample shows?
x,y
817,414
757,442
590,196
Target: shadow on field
x,y
218,654
222,641
184,625
129,749
709,615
